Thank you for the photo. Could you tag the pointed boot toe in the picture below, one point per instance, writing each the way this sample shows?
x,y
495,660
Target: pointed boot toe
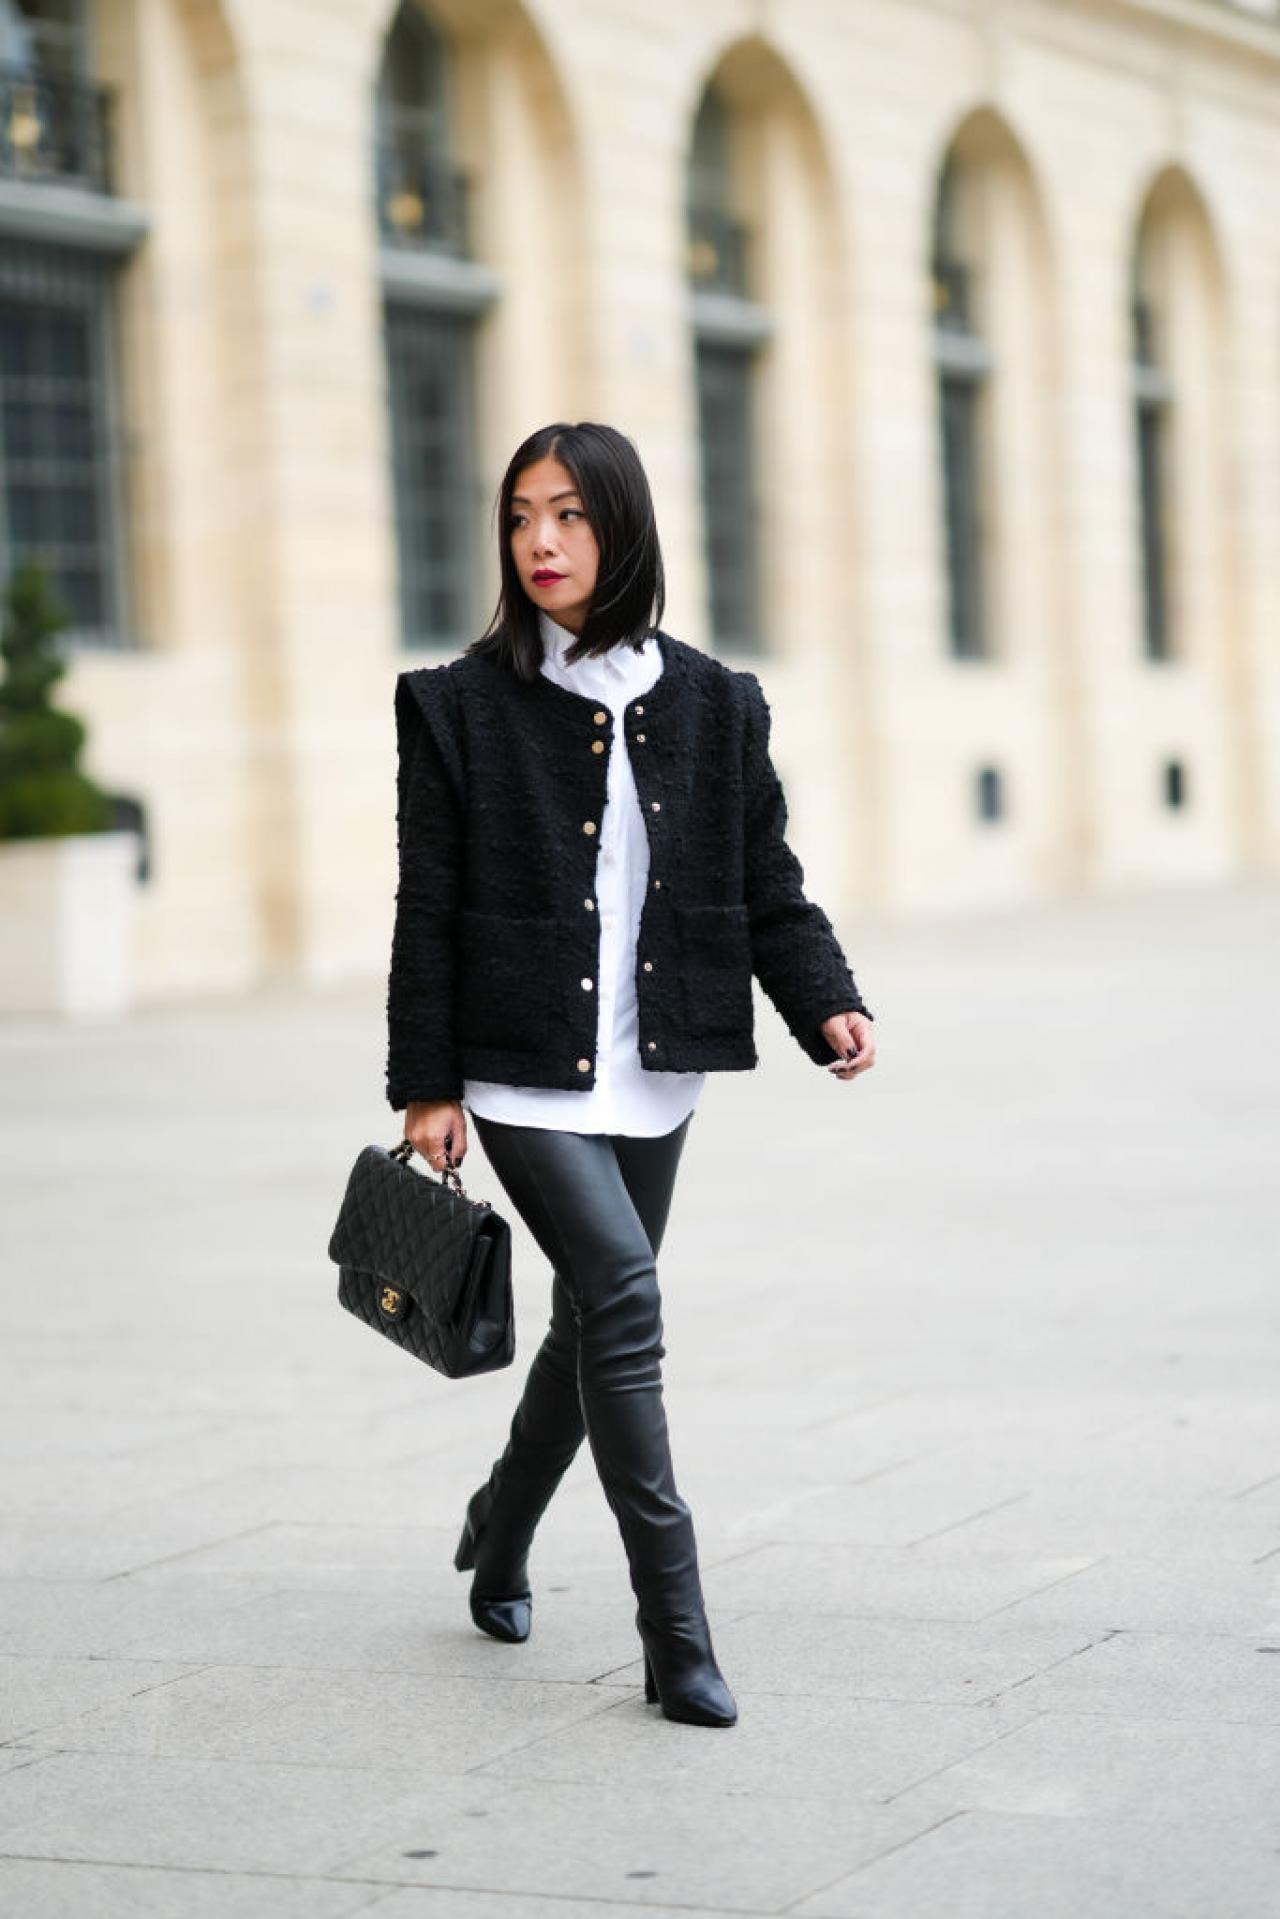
x,y
505,1616
681,1674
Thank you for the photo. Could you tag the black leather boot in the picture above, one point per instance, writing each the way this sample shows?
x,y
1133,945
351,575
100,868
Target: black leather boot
x,y
578,1194
506,1613
502,1515
622,1396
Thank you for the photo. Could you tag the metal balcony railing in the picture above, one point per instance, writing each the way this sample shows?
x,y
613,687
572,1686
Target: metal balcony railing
x,y
716,253
953,295
422,200
54,129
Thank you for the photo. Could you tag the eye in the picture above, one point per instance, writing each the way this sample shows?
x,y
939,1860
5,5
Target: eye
x,y
572,509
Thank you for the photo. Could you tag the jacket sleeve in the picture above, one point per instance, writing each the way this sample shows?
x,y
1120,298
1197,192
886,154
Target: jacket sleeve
x,y
422,1056
795,953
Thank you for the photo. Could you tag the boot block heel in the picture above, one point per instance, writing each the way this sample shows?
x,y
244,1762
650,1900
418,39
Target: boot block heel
x,y
465,1557
650,1683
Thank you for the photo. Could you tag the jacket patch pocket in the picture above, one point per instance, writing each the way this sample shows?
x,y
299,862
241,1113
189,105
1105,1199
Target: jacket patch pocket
x,y
715,969
506,979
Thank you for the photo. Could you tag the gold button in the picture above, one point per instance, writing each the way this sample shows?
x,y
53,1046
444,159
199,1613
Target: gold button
x,y
597,746
600,718
657,806
584,1065
637,709
586,985
640,737
590,905
588,826
648,966
653,1045
657,882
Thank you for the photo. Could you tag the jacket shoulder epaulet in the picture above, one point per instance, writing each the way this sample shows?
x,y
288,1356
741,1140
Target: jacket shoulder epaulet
x,y
429,695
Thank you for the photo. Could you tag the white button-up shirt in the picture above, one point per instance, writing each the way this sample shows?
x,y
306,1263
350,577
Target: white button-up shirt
x,y
626,1097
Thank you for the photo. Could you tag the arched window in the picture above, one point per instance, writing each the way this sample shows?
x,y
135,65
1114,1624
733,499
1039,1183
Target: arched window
x,y
421,199
432,297
963,366
728,328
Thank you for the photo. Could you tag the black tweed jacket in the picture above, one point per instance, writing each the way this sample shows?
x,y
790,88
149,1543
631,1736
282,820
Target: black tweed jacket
x,y
500,790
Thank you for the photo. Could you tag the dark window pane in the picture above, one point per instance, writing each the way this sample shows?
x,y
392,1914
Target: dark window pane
x,y
72,436
728,500
961,482
990,793
19,431
15,346
1175,783
430,373
68,345
79,514
82,590
1151,436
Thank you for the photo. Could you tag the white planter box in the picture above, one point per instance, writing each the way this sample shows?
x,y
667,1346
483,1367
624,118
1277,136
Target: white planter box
x,y
66,923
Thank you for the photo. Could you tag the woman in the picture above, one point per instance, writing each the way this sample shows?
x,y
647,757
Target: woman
x,y
578,921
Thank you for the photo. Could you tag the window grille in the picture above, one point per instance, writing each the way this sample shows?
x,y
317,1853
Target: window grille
x,y
60,446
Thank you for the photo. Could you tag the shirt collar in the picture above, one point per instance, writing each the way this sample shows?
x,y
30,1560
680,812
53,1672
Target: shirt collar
x,y
617,665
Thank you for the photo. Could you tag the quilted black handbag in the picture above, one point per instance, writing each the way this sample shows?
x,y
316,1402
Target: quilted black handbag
x,y
424,1264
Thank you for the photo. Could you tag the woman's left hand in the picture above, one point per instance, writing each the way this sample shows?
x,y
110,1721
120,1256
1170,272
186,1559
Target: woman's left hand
x,y
850,1034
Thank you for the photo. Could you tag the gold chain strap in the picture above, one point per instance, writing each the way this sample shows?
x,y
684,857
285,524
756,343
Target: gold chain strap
x,y
404,1151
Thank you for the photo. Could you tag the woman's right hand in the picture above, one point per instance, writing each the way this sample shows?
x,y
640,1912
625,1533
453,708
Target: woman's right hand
x,y
432,1124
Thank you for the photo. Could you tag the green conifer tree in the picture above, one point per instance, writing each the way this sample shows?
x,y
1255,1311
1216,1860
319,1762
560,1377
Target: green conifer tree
x,y
42,792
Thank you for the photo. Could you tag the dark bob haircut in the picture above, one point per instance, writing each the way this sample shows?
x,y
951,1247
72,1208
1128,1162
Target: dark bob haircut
x,y
630,589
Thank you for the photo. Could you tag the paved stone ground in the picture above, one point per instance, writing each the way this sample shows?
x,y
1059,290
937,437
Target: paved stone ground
x,y
972,1380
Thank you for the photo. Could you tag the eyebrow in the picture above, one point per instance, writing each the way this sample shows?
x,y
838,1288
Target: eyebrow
x,y
570,493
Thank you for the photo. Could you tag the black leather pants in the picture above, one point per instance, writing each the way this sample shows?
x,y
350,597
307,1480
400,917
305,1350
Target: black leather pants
x,y
597,1206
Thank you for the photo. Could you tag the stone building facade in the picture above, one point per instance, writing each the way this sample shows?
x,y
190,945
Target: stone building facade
x,y
948,331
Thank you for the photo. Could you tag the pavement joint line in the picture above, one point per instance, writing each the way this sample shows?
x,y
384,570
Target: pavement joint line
x,y
1064,1659
479,1769
899,1845
962,1759
1038,1592
185,1552
201,1872
1245,1492
262,1665
860,1412
586,1899
955,1525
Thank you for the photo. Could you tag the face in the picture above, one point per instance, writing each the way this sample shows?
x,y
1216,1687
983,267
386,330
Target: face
x,y
551,537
